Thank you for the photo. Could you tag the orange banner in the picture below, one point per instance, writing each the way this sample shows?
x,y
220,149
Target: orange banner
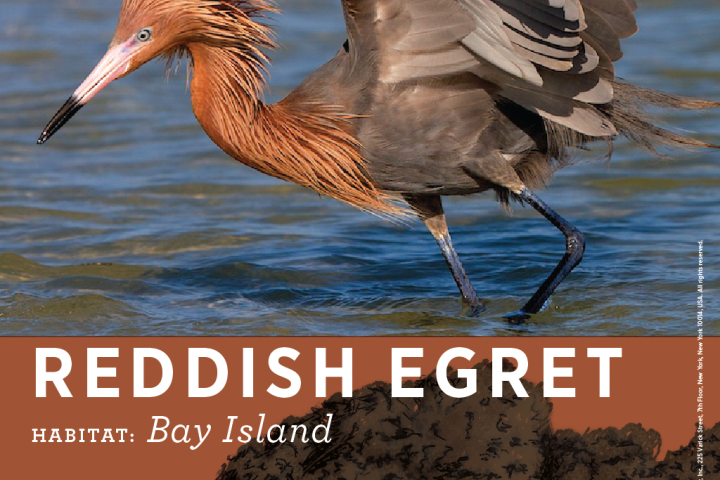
x,y
94,434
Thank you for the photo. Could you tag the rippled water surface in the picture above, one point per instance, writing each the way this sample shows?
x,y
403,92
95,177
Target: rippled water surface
x,y
130,221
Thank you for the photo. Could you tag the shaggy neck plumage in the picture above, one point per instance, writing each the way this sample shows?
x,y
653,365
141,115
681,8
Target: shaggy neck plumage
x,y
305,142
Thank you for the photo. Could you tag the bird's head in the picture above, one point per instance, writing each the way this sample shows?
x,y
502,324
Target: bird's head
x,y
148,29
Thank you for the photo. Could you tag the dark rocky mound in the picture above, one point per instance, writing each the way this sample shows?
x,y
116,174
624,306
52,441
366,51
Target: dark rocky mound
x,y
375,436
623,454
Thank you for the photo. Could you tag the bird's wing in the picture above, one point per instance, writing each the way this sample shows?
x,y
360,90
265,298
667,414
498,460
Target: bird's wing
x,y
554,57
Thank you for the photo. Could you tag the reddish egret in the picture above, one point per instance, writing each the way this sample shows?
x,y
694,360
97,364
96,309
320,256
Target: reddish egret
x,y
426,98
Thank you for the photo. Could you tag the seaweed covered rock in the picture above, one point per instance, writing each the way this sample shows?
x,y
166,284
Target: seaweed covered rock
x,y
683,463
628,453
607,453
438,437
433,437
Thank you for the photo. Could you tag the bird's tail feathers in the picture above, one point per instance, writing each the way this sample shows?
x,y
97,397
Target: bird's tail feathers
x,y
627,112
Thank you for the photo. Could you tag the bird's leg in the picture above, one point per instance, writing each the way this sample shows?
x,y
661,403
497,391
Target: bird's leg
x,y
574,249
429,209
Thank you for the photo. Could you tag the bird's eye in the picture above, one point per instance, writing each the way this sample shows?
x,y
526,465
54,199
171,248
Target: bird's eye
x,y
144,35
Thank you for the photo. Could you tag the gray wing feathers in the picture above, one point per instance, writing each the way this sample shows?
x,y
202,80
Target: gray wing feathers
x,y
618,13
419,38
489,41
554,57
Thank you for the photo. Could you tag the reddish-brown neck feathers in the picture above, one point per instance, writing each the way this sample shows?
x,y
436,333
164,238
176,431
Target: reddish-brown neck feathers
x,y
306,142
302,141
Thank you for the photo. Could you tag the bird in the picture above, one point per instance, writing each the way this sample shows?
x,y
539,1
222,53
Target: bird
x,y
426,99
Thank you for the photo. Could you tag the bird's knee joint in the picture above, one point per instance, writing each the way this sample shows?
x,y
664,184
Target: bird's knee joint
x,y
576,242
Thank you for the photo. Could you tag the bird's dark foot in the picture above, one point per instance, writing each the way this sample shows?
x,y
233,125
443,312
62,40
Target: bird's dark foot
x,y
524,314
517,318
474,309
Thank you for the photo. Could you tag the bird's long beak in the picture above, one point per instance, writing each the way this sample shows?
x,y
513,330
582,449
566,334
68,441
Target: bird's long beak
x,y
113,65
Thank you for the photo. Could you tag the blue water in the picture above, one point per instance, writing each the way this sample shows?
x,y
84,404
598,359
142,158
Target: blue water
x,y
131,222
